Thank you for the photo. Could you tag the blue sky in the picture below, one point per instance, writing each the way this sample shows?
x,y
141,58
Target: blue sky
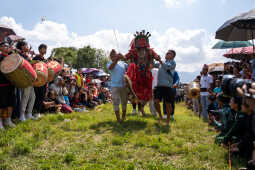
x,y
186,25
88,16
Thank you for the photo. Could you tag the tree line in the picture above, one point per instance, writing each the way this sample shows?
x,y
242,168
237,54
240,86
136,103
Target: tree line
x,y
86,57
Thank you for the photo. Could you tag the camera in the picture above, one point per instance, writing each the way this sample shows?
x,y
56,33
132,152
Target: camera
x,y
215,112
230,84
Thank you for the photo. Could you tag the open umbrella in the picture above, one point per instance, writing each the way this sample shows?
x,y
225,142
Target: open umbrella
x,y
239,28
97,81
240,53
90,70
101,73
83,69
216,68
231,44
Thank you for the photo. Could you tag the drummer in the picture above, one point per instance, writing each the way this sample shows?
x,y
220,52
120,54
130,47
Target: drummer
x,y
27,94
40,91
7,97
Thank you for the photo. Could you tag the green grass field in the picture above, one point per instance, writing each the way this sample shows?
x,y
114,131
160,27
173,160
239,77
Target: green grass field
x,y
93,140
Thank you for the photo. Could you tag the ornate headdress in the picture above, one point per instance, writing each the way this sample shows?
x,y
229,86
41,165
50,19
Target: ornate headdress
x,y
142,39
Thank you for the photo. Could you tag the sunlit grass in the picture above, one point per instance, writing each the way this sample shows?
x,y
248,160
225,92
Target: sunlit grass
x,y
93,140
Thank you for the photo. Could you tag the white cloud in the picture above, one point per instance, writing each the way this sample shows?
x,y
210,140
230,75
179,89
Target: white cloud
x,y
176,3
193,47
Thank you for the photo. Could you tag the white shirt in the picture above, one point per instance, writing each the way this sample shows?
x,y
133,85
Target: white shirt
x,y
205,82
154,72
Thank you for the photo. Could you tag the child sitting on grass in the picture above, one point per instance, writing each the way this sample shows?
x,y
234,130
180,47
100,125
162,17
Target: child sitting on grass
x,y
51,104
76,103
91,103
102,95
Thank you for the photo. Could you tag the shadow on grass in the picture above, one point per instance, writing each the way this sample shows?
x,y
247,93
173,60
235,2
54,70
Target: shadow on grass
x,y
126,126
139,115
162,128
236,161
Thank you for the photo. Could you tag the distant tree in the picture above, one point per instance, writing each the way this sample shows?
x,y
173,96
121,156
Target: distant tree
x,y
69,54
87,57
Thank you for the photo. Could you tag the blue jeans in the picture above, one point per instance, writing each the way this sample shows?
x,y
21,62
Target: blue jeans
x,y
204,103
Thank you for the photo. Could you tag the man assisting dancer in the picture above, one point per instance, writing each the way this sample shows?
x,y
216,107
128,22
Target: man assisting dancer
x,y
119,91
139,77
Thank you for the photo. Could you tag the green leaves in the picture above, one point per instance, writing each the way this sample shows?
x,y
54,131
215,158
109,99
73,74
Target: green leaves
x,y
86,57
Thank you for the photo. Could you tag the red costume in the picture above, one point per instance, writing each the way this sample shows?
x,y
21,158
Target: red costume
x,y
138,73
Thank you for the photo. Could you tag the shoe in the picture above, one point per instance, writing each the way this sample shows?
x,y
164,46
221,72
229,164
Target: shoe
x,y
30,116
164,116
1,124
38,115
8,122
22,118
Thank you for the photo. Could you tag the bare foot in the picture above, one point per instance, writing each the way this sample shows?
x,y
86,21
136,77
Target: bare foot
x,y
160,120
123,119
167,122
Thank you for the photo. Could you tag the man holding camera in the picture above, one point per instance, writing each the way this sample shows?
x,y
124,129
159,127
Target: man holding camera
x,y
206,84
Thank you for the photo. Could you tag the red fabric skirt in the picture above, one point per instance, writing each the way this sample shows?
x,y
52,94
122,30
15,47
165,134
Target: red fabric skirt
x,y
141,82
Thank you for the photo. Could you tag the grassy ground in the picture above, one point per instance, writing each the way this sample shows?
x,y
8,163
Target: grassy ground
x,y
94,140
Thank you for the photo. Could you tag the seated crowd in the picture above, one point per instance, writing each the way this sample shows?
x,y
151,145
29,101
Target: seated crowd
x,y
230,114
69,92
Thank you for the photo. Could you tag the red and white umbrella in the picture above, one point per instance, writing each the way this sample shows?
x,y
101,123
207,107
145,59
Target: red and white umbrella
x,y
240,53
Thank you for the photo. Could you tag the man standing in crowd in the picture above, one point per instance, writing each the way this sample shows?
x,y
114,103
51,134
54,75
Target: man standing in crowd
x,y
165,84
27,94
196,101
206,84
119,93
40,91
7,97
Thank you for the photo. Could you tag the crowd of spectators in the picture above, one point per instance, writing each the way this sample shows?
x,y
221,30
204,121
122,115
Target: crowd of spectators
x,y
71,91
230,114
65,92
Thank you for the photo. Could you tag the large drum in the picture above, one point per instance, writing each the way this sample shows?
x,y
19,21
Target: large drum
x,y
18,71
54,69
42,74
